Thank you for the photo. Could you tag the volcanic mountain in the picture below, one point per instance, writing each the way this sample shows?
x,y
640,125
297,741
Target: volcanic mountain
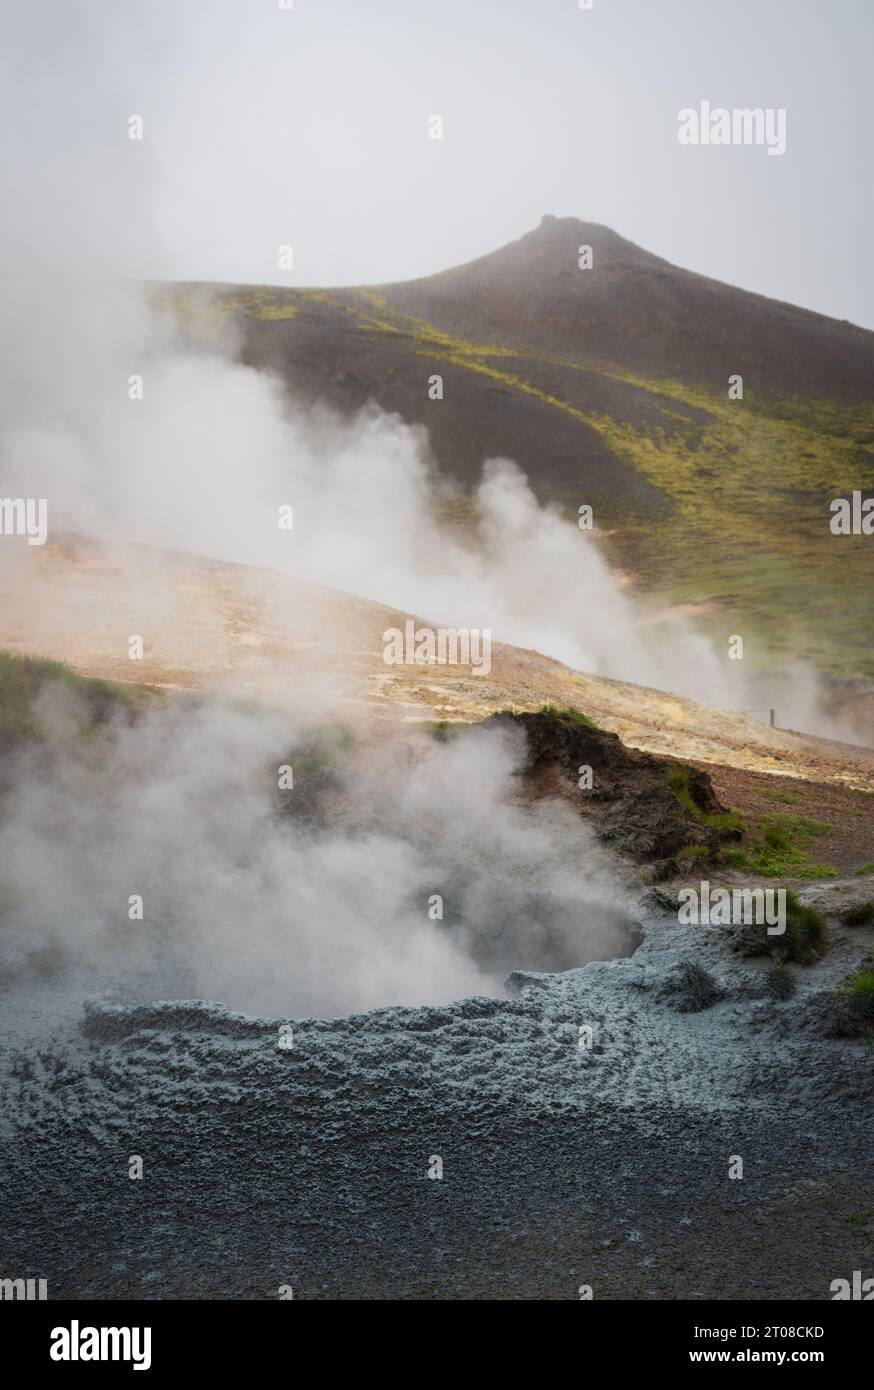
x,y
609,386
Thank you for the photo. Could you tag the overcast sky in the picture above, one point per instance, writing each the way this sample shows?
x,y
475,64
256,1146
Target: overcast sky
x,y
309,127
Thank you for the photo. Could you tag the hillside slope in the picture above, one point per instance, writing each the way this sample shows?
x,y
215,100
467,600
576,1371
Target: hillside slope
x,y
609,387
261,635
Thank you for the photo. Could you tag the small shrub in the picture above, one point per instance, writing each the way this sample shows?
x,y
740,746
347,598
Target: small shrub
x,y
852,1008
805,938
777,837
866,868
803,942
736,859
859,916
727,824
861,990
693,988
569,715
693,852
678,781
780,981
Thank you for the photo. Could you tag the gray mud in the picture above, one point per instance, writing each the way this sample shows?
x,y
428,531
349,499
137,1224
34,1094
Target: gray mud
x,y
563,1165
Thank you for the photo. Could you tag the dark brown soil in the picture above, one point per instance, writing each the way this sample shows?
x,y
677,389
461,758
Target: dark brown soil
x,y
630,802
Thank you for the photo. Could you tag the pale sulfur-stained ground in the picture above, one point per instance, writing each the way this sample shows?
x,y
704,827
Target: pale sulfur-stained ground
x,y
252,633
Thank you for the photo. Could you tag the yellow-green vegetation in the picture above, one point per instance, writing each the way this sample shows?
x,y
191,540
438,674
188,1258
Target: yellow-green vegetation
x,y
568,715
275,311
782,849
749,530
257,303
866,868
727,824
327,748
23,679
690,854
747,485
859,995
786,798
204,311
805,939
743,531
425,338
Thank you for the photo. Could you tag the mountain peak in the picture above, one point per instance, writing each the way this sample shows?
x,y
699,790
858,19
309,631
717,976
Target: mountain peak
x,y
572,232
552,247
549,220
624,305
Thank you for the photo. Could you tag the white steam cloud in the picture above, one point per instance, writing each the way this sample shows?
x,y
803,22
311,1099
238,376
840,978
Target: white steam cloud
x,y
276,916
290,914
206,459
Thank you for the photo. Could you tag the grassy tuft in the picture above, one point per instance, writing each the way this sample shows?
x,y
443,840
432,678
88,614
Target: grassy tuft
x,y
780,981
692,852
854,1005
727,824
859,916
786,798
694,988
782,850
23,678
569,715
805,939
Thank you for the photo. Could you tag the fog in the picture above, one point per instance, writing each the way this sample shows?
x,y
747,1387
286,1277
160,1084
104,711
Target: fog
x,y
307,124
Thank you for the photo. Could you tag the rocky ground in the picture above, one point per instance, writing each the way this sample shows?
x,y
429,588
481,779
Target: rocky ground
x,y
562,1165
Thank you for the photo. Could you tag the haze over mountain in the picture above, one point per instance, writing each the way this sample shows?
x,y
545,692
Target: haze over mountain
x,y
638,311
609,386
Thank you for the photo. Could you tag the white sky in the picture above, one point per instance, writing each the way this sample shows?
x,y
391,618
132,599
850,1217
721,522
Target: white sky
x,y
309,127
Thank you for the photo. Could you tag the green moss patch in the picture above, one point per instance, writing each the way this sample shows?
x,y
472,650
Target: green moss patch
x,y
24,678
782,849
